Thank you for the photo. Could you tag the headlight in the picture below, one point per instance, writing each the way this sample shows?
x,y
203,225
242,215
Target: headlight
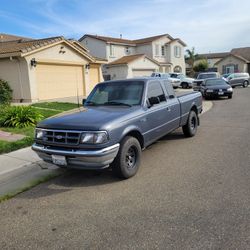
x,y
39,134
230,89
94,137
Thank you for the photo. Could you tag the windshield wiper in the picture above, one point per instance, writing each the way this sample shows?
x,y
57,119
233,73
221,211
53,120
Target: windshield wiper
x,y
117,103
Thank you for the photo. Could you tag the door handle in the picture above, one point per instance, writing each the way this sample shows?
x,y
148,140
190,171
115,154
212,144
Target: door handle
x,y
168,109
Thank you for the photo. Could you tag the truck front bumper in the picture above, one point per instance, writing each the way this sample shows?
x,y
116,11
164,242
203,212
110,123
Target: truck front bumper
x,y
78,158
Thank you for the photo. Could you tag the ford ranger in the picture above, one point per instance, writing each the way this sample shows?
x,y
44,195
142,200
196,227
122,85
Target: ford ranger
x,y
117,121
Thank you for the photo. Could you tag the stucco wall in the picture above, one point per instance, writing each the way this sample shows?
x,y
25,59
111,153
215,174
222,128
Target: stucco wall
x,y
96,47
118,72
177,61
119,51
141,64
15,71
242,66
145,49
160,42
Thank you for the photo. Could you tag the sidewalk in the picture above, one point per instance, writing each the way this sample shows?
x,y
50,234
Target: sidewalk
x,y
19,168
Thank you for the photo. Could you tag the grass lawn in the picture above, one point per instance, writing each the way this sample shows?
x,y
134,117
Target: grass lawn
x,y
56,107
62,106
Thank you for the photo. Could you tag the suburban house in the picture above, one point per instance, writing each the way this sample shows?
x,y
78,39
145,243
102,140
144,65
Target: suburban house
x,y
238,60
212,59
49,68
131,58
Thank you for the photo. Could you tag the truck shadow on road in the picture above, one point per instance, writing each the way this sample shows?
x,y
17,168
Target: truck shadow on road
x,y
70,180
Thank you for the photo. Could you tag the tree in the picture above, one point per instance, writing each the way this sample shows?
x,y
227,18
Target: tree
x,y
201,66
191,56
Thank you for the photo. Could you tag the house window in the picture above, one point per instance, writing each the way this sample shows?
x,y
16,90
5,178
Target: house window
x,y
157,49
111,50
177,51
163,50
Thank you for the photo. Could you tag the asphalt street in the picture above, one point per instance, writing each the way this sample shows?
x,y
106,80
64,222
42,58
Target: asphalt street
x,y
188,194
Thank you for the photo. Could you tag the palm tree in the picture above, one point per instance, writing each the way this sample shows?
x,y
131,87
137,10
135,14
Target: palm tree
x,y
191,56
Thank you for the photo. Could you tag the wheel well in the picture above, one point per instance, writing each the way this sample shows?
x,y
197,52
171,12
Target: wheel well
x,y
138,136
194,108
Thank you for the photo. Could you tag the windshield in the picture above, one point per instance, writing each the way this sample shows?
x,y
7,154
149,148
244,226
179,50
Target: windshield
x,y
205,76
116,93
213,82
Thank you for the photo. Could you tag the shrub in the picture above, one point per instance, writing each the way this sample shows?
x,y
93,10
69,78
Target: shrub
x,y
201,66
5,92
19,116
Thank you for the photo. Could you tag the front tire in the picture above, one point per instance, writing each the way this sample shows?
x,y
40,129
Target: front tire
x,y
127,161
230,96
190,128
245,84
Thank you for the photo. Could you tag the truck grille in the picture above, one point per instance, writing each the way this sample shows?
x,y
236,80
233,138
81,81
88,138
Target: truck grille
x,y
61,137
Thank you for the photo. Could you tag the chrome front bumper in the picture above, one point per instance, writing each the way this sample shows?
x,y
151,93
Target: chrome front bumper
x,y
83,159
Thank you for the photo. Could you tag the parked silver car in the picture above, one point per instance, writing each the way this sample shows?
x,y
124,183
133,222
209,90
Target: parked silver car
x,y
186,82
174,81
238,79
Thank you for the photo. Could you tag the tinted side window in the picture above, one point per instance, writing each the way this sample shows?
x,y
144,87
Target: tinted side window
x,y
169,88
155,90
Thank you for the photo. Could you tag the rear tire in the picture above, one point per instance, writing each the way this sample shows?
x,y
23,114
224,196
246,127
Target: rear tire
x,y
127,161
190,128
245,84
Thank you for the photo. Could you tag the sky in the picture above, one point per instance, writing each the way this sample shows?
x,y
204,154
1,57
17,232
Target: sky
x,y
208,25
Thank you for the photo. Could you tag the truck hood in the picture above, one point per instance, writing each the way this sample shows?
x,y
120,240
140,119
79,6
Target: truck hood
x,y
89,118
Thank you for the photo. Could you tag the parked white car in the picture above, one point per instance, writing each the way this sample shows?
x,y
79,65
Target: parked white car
x,y
186,82
176,83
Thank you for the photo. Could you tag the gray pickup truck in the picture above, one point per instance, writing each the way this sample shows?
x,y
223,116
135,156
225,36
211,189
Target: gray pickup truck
x,y
118,120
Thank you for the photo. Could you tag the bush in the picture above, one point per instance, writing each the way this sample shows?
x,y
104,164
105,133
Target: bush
x,y
201,66
19,116
5,92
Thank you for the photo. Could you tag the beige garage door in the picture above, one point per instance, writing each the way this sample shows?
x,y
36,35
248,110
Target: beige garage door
x,y
59,81
94,76
142,72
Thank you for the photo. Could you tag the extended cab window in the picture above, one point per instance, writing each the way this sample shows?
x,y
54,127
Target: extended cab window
x,y
169,89
155,90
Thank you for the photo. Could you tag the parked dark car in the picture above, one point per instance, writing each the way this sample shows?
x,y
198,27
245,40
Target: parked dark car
x,y
118,120
238,79
216,87
201,77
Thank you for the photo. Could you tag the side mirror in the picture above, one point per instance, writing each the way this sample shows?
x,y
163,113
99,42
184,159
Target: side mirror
x,y
154,100
171,96
83,101
203,84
